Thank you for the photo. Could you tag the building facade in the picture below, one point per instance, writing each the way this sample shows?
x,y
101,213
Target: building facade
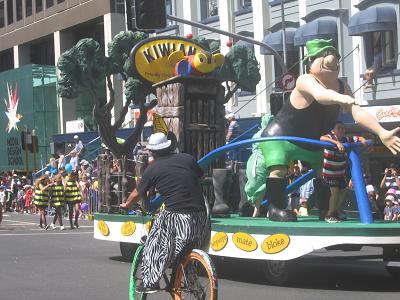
x,y
38,31
33,35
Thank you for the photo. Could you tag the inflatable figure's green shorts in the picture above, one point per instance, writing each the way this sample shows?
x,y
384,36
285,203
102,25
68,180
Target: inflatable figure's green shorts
x,y
281,153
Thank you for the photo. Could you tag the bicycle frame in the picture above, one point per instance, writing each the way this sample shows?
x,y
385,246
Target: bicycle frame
x,y
178,262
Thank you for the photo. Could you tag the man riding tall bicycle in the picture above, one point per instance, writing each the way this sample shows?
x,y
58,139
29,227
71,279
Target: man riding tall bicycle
x,y
176,177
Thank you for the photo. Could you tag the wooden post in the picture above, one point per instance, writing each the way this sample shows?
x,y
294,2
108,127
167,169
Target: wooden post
x,y
193,108
100,184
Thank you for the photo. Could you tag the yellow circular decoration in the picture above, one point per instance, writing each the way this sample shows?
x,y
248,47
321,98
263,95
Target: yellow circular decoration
x,y
128,228
148,226
244,241
275,243
219,241
103,228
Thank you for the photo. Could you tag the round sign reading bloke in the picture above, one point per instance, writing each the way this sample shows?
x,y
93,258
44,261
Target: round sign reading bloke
x,y
150,57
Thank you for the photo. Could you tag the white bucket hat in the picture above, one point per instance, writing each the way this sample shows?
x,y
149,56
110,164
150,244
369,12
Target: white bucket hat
x,y
158,141
390,198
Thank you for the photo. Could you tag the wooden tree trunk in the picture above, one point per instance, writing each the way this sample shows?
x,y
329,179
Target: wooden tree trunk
x,y
193,108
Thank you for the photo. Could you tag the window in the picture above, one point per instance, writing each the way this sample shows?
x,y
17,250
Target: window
x,y
28,8
169,11
120,6
209,8
6,60
43,53
49,3
168,7
243,4
39,5
380,51
10,12
1,13
19,9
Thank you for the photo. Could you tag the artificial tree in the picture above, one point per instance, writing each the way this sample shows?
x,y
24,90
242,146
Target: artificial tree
x,y
85,67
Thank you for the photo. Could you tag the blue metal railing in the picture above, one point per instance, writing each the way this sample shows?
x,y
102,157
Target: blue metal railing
x,y
239,137
353,150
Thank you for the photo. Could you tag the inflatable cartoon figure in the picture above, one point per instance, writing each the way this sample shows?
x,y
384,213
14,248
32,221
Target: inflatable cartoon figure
x,y
314,106
198,64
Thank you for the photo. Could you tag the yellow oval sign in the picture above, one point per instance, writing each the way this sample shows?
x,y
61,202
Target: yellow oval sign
x,y
128,228
148,226
219,241
244,241
103,228
275,243
151,57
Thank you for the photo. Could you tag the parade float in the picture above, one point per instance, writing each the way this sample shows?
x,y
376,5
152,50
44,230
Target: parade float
x,y
187,76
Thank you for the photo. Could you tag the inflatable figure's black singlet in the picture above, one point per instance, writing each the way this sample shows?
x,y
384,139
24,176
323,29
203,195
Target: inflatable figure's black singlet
x,y
310,122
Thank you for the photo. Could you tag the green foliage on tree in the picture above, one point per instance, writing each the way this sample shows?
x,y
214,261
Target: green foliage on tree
x,y
241,66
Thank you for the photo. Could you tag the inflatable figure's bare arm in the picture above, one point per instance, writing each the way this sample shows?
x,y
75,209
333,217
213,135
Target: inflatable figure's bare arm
x,y
307,85
388,137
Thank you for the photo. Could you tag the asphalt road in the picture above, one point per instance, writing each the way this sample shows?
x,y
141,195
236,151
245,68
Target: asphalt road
x,y
71,265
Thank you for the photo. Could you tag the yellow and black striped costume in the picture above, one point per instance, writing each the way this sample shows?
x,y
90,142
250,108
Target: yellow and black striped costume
x,y
72,193
57,196
41,198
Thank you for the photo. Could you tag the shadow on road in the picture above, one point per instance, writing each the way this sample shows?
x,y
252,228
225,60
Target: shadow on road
x,y
332,274
118,258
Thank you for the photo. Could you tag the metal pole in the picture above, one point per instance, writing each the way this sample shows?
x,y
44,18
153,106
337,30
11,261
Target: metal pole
x,y
26,149
34,150
359,186
283,32
233,35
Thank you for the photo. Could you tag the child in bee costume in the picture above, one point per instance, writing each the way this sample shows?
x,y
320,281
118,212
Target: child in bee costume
x,y
58,200
42,187
73,198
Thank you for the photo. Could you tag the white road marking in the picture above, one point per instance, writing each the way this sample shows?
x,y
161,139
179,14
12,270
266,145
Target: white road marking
x,y
20,222
44,233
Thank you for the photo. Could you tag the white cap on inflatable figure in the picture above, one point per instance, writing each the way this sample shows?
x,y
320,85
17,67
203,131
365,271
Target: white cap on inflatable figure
x,y
76,137
158,141
230,115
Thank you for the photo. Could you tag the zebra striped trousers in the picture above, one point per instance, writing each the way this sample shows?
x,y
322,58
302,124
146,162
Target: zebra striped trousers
x,y
169,235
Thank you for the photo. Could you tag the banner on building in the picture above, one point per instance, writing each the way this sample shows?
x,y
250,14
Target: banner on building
x,y
384,114
75,126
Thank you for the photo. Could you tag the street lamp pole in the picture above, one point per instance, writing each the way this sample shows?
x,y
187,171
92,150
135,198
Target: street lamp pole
x,y
283,32
34,149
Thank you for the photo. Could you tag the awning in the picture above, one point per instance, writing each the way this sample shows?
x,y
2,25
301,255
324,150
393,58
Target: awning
x,y
246,44
372,19
317,29
275,40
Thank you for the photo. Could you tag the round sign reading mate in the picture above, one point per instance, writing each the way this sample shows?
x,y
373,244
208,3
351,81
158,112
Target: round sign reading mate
x,y
150,57
288,82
